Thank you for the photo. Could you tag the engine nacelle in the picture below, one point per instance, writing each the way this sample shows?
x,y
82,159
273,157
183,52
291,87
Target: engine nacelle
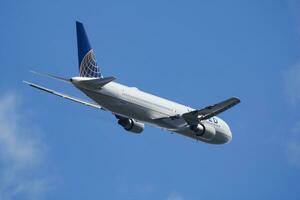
x,y
204,131
131,125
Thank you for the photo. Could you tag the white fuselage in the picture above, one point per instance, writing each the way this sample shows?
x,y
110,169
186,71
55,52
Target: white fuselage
x,y
132,103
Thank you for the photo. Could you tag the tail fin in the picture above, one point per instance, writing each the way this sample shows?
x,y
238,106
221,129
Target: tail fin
x,y
86,58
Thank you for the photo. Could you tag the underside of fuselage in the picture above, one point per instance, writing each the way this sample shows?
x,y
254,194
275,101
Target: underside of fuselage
x,y
121,107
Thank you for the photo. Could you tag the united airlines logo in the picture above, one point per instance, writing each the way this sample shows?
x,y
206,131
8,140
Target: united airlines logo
x,y
88,66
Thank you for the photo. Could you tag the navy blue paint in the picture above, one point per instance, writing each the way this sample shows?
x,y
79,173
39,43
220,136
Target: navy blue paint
x,y
83,44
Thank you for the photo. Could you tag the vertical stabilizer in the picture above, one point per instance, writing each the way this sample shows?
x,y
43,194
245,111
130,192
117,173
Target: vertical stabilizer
x,y
86,58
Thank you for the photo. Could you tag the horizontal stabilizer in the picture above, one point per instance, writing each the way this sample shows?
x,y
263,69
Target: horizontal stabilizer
x,y
92,83
94,105
67,80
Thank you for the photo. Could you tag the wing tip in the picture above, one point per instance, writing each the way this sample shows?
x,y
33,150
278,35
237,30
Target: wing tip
x,y
26,82
234,99
237,100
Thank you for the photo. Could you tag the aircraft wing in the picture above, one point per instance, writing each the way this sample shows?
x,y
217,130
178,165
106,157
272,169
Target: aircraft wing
x,y
194,117
63,95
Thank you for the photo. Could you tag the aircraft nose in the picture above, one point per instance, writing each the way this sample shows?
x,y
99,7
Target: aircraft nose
x,y
227,137
222,138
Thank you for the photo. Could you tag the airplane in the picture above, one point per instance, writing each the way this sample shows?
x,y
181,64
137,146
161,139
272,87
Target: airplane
x,y
134,108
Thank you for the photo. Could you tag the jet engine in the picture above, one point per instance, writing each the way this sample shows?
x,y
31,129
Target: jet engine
x,y
131,125
204,131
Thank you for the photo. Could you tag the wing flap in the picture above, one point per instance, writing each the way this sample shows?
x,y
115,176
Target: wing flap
x,y
77,100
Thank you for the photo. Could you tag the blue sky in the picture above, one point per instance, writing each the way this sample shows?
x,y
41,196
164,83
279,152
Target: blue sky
x,y
193,52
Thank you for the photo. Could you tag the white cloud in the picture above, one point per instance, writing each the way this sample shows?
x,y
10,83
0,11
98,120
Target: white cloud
x,y
174,196
293,152
292,84
21,154
293,146
292,89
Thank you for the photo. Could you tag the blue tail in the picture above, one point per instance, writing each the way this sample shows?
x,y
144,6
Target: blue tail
x,y
86,58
